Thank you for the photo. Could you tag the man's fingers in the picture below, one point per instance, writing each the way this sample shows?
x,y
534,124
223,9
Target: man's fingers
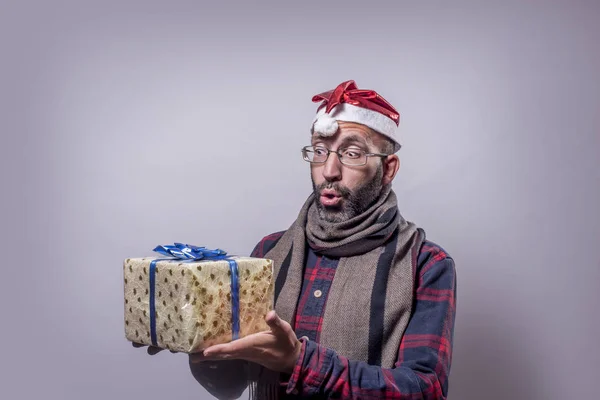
x,y
221,351
235,348
154,350
197,357
277,325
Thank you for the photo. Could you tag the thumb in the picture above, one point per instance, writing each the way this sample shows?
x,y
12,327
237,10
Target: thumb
x,y
277,325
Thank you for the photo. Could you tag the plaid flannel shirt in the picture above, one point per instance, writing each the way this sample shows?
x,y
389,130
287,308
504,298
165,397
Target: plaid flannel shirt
x,y
425,352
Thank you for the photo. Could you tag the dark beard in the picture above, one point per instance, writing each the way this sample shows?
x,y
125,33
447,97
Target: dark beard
x,y
354,202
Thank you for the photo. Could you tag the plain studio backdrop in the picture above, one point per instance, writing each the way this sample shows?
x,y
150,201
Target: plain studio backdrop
x,y
128,125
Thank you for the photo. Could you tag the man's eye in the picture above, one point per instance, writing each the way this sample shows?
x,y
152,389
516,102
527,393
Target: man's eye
x,y
351,153
319,151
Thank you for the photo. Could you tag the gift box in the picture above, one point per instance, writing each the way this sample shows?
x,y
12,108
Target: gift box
x,y
190,301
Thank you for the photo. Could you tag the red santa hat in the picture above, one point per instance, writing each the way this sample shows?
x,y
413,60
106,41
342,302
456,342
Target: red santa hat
x,y
350,104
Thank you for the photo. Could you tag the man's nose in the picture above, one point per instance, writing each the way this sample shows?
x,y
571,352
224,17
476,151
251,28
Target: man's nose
x,y
332,170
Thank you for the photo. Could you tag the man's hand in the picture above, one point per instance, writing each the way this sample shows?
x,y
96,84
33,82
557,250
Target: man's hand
x,y
151,349
277,349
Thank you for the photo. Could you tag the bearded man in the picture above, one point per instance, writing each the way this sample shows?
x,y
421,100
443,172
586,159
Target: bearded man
x,y
364,304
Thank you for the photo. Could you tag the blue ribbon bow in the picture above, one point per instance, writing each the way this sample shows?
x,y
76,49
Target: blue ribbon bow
x,y
190,253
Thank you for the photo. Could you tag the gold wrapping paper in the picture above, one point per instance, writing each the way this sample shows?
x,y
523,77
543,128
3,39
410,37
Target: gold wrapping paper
x,y
193,301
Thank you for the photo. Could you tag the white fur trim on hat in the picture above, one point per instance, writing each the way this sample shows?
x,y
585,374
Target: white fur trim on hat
x,y
323,125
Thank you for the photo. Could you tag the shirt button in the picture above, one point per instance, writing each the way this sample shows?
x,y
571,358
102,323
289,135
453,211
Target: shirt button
x,y
318,293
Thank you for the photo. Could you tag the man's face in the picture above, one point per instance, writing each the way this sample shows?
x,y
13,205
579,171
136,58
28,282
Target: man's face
x,y
342,191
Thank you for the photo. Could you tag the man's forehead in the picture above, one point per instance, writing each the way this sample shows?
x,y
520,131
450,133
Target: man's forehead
x,y
348,132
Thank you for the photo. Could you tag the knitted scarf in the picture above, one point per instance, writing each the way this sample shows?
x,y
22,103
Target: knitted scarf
x,y
371,296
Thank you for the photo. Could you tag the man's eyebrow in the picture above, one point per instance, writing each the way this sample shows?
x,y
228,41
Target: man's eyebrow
x,y
317,138
354,139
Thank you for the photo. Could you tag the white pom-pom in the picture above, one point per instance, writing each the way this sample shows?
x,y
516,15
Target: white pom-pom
x,y
325,125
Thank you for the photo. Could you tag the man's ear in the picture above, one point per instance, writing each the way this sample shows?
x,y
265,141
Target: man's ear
x,y
391,165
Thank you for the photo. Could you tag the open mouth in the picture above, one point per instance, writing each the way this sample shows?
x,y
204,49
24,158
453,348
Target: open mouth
x,y
330,198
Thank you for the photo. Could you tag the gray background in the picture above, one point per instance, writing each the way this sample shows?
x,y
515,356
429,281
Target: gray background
x,y
126,125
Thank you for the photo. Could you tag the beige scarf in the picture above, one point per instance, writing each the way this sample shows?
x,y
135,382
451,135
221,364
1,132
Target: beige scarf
x,y
371,296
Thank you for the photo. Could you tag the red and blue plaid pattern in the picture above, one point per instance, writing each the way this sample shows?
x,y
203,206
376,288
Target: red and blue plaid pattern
x,y
425,353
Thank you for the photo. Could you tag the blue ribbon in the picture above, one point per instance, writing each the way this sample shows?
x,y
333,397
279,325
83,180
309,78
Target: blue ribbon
x,y
190,253
235,300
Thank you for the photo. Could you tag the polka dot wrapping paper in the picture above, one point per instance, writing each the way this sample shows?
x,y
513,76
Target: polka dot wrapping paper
x,y
193,301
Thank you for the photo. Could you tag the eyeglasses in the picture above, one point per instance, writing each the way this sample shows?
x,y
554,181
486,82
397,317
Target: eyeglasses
x,y
348,156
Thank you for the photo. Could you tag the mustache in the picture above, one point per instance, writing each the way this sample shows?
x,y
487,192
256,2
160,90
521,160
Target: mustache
x,y
342,190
